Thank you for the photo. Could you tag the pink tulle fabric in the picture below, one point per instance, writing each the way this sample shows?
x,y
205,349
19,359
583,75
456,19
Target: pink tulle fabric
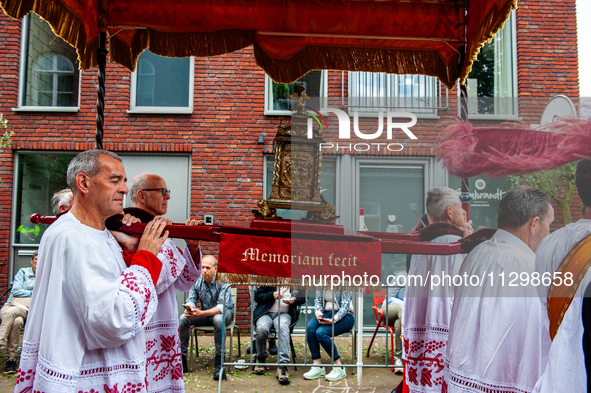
x,y
513,150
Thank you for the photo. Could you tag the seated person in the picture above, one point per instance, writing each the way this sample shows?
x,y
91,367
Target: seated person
x,y
14,312
270,302
392,307
212,297
331,307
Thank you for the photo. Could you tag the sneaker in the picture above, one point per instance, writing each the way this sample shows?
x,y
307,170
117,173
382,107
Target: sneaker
x,y
10,366
336,374
398,362
259,369
282,375
315,373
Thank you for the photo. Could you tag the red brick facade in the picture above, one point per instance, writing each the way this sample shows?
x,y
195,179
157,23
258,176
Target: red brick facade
x,y
222,132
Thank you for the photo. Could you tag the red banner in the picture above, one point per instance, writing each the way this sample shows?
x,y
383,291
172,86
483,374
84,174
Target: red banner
x,y
315,262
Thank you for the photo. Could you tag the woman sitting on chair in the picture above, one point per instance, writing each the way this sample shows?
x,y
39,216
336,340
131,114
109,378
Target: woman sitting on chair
x,y
331,308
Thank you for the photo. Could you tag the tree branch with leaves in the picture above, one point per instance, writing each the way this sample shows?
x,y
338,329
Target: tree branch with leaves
x,y
558,184
5,138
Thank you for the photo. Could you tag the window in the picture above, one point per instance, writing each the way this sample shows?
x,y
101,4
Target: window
x,y
370,93
487,193
389,193
38,177
50,78
492,83
162,85
277,101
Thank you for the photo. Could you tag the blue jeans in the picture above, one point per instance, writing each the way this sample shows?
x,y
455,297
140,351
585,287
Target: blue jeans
x,y
317,334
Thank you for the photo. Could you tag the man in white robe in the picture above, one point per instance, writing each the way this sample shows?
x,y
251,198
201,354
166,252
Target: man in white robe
x,y
179,271
85,328
566,371
427,311
495,343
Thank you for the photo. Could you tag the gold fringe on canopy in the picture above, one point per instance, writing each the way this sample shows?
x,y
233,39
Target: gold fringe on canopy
x,y
126,55
295,283
489,26
213,43
356,59
63,22
68,26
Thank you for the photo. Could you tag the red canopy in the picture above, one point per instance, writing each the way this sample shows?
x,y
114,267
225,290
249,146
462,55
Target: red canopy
x,y
290,37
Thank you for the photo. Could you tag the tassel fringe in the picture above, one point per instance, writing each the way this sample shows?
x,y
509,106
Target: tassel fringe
x,y
295,283
356,59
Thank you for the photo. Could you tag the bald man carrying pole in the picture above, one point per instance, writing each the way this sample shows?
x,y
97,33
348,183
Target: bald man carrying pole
x,y
179,271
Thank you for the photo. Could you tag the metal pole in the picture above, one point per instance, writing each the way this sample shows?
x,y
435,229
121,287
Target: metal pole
x,y
222,366
465,194
359,337
100,89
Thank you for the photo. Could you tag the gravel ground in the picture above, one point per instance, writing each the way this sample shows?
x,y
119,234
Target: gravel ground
x,y
375,380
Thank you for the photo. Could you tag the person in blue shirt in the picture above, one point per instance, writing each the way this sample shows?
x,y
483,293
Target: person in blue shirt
x,y
14,312
212,297
331,308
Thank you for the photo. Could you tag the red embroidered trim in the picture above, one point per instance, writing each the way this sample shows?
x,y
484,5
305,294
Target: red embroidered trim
x,y
23,376
479,386
167,358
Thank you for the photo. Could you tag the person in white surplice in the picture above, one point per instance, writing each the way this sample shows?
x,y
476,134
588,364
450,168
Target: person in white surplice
x,y
179,272
566,370
495,343
427,311
85,328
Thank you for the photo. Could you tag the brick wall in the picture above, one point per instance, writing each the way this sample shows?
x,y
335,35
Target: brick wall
x,y
222,132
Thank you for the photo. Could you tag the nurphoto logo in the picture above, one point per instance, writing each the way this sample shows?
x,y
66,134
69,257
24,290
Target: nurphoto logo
x,y
393,125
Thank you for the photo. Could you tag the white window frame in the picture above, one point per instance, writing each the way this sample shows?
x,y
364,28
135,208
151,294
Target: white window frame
x,y
269,111
506,116
54,75
391,96
179,110
22,88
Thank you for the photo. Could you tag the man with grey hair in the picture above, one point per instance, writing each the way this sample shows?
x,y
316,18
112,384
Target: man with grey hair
x,y
495,341
180,270
62,201
85,328
427,310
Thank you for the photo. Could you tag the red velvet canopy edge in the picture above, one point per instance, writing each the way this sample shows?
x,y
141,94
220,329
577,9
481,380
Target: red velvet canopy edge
x,y
289,37
512,150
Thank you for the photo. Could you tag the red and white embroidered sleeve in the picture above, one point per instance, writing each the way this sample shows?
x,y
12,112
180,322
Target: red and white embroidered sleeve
x,y
190,273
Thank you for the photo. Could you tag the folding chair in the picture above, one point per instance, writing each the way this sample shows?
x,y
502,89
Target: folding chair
x,y
378,299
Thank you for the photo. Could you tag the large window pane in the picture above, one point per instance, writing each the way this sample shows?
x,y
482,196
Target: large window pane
x,y
38,178
50,73
162,81
277,101
491,83
486,193
373,92
389,194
